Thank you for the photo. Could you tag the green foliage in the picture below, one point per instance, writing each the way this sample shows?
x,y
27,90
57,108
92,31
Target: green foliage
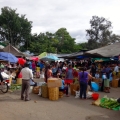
x,y
66,43
14,28
99,33
58,42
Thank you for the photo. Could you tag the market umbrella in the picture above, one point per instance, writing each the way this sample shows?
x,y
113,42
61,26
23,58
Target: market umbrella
x,y
50,58
43,55
34,58
21,61
8,57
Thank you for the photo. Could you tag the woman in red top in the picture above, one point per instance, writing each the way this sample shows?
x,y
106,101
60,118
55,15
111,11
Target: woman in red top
x,y
75,74
18,73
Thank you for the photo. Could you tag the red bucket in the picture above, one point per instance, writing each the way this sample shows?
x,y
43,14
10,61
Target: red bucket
x,y
95,96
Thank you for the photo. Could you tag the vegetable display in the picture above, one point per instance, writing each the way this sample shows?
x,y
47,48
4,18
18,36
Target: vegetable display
x,y
14,87
110,103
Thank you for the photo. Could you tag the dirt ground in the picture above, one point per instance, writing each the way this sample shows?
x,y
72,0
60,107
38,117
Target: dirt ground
x,y
66,108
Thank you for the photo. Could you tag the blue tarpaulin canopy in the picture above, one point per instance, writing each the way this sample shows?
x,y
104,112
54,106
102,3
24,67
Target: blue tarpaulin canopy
x,y
8,57
115,58
82,57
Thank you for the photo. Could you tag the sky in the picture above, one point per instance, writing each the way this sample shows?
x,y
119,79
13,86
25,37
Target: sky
x,y
74,15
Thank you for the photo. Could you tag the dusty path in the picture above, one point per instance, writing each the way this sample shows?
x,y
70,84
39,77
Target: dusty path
x,y
12,108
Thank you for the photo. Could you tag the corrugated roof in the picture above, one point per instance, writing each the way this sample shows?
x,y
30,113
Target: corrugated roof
x,y
107,51
13,50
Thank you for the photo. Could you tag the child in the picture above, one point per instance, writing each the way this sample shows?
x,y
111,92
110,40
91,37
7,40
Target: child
x,y
37,71
63,87
97,76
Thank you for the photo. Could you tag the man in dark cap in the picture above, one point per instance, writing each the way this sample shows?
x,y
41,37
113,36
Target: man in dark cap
x,y
26,76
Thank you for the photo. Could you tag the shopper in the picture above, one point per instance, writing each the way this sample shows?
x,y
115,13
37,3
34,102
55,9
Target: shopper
x,y
83,77
26,76
69,74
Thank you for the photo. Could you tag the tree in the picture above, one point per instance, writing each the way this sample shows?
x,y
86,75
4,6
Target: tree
x,y
100,32
58,42
66,43
115,38
14,28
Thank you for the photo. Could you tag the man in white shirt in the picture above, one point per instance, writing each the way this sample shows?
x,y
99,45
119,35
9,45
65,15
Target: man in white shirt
x,y
116,69
26,76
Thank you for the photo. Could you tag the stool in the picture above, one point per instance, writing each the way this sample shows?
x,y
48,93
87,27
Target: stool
x,y
61,93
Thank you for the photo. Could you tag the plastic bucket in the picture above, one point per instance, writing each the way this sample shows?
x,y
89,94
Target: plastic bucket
x,y
95,96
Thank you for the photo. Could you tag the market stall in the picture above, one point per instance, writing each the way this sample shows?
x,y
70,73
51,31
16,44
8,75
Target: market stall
x,y
109,103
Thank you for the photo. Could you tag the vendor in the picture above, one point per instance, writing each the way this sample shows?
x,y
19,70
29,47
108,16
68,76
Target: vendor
x,y
48,72
63,87
105,83
93,70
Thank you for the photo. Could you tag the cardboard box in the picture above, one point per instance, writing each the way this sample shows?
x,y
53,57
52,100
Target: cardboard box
x,y
54,82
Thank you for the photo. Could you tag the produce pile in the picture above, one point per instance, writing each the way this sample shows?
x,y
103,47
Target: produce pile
x,y
14,87
110,103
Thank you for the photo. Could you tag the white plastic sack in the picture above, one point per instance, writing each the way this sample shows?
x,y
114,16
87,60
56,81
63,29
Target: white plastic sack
x,y
4,75
88,95
40,83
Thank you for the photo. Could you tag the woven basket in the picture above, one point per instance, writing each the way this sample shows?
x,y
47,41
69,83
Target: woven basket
x,y
44,90
96,80
115,83
53,93
119,75
19,81
61,94
73,88
36,90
